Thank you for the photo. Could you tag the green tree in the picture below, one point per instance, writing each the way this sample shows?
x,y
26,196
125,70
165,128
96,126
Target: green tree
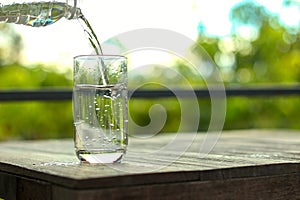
x,y
30,120
260,48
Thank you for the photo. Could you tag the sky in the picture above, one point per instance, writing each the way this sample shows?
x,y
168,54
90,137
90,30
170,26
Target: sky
x,y
60,42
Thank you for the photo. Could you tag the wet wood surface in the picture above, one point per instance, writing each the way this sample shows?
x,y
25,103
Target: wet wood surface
x,y
248,164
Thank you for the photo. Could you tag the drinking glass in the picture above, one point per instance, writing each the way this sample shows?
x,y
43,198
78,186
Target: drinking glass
x,y
100,108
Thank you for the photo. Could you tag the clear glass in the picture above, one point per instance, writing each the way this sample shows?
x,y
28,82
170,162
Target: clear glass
x,y
100,108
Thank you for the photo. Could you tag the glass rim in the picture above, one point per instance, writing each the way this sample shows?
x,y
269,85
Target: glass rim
x,y
99,56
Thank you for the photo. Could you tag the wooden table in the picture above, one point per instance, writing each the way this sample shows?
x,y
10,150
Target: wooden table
x,y
249,164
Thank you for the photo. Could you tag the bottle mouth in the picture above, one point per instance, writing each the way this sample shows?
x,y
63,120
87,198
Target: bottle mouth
x,y
74,12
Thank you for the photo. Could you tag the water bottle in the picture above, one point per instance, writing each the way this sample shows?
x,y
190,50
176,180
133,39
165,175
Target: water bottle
x,y
38,13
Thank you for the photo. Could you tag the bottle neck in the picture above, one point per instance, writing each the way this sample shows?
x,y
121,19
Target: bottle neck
x,y
73,10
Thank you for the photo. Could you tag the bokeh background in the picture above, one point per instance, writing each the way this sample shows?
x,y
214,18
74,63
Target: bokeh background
x,y
252,43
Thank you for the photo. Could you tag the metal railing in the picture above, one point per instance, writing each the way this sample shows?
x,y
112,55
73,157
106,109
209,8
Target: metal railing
x,y
57,94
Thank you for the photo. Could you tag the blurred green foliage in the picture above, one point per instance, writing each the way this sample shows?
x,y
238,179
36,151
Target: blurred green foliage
x,y
34,120
10,44
30,120
260,50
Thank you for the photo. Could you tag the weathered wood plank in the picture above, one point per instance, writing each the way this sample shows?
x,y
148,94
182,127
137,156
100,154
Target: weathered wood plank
x,y
7,186
28,189
239,155
280,187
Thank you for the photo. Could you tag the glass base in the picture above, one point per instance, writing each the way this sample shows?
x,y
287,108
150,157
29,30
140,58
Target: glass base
x,y
97,157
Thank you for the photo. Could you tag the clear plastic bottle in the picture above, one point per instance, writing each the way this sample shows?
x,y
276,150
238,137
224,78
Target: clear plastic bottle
x,y
38,13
